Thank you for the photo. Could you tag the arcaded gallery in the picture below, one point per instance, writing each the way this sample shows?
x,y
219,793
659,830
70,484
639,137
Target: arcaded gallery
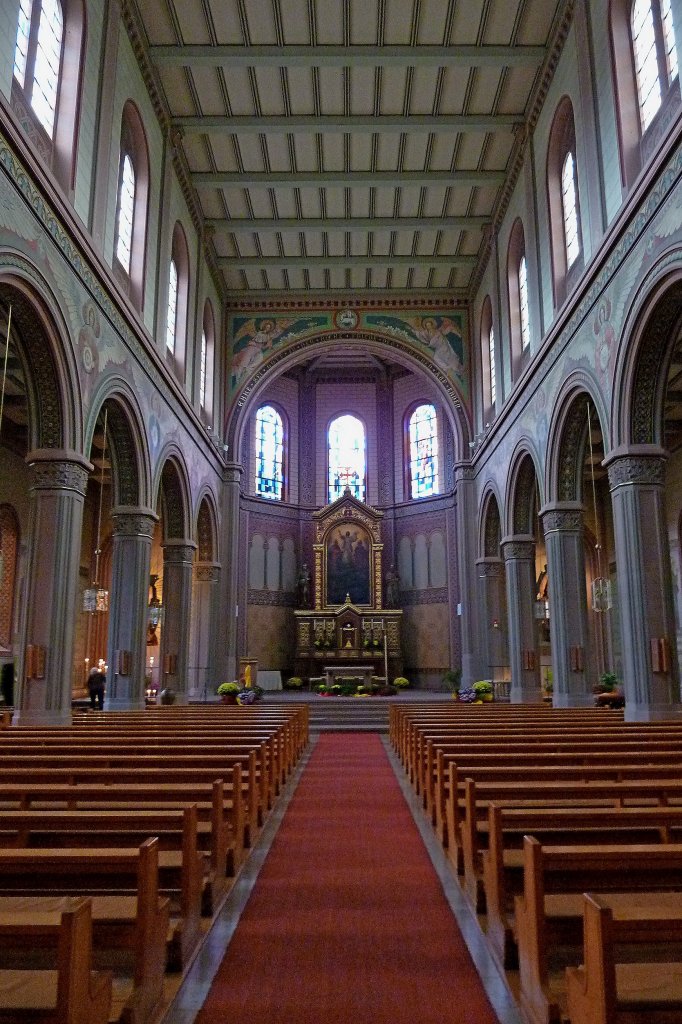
x,y
340,511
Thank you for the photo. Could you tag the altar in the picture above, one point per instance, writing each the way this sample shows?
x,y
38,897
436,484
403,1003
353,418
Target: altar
x,y
348,631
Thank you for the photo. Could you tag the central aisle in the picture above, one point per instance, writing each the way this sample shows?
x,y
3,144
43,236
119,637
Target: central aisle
x,y
347,921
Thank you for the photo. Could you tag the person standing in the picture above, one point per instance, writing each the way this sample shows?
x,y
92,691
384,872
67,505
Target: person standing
x,y
96,683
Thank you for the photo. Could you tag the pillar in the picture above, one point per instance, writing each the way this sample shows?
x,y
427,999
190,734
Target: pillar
x,y
572,657
473,660
133,529
524,655
230,577
45,678
645,592
178,557
203,674
490,574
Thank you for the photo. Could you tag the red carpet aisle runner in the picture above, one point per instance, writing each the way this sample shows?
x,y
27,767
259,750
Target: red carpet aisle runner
x,y
347,923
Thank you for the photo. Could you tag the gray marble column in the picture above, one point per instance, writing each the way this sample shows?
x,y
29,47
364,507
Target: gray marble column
x,y
473,656
524,656
230,555
573,663
645,592
133,529
57,491
205,606
178,558
493,612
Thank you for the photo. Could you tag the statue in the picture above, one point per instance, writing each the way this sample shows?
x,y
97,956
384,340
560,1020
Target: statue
x,y
304,586
392,588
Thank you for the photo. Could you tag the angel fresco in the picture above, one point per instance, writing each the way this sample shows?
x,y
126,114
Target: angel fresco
x,y
253,338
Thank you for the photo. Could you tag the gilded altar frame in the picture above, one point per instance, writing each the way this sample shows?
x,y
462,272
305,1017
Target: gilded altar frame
x,y
362,525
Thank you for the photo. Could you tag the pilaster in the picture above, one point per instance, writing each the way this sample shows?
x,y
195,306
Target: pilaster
x,y
178,557
473,659
524,657
230,576
203,676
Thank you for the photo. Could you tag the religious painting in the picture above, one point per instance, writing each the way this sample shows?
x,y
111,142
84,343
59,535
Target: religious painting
x,y
348,564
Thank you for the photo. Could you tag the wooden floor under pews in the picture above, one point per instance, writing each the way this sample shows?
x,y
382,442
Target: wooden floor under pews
x,y
564,831
121,838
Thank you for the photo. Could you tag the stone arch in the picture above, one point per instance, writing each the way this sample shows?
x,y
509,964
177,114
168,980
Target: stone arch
x,y
40,332
523,478
126,435
172,488
646,351
456,410
568,437
206,532
491,526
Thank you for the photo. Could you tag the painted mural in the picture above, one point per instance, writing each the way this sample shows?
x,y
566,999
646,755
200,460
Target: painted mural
x,y
439,336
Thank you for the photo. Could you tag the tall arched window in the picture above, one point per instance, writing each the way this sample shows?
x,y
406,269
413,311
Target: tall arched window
x,y
178,296
488,360
202,369
563,195
269,453
655,54
172,311
347,460
523,304
423,451
46,79
491,368
517,282
131,205
206,362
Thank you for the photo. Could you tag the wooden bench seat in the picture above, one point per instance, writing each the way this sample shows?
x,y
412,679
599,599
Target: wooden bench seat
x,y
138,924
548,915
71,993
603,991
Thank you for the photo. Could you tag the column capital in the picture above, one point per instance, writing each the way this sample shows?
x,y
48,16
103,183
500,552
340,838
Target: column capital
x,y
520,546
464,471
490,567
636,464
232,473
562,517
178,551
130,521
57,469
207,572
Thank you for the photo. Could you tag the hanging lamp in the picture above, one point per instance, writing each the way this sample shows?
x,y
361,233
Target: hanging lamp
x,y
96,597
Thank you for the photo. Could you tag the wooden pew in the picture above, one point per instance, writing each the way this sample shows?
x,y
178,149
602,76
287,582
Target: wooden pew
x,y
549,912
181,865
70,994
603,991
137,923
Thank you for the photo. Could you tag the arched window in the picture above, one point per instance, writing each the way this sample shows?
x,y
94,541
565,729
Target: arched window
x,y
519,315
172,312
206,361
563,195
269,453
423,452
131,205
347,462
46,79
488,360
523,304
646,76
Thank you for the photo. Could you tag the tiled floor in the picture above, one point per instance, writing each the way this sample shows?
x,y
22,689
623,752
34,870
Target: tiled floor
x,y
191,995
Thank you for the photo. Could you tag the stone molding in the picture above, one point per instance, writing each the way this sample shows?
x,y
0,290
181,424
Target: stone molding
x,y
637,469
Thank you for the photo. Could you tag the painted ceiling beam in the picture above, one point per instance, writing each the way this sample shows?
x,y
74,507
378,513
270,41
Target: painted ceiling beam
x,y
254,295
336,124
237,56
242,226
324,262
345,179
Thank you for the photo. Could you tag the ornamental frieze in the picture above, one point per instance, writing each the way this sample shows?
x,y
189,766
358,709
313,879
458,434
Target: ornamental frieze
x,y
637,469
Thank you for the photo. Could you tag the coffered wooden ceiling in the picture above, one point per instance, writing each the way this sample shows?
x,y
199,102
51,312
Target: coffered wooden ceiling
x,y
349,145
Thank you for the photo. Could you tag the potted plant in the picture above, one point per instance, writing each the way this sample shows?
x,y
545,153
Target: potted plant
x,y
228,692
452,680
293,683
483,690
400,682
609,693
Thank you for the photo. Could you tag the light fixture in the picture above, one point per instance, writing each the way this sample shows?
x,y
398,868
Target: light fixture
x,y
96,597
154,613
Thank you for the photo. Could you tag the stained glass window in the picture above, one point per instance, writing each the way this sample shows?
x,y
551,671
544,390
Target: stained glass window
x,y
346,457
491,351
569,203
269,453
126,210
523,304
172,314
423,452
39,73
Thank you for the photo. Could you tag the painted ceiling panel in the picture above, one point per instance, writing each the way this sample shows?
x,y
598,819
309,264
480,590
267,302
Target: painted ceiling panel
x,y
298,102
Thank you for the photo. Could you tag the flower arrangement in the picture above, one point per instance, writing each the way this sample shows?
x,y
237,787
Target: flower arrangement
x,y
294,683
228,689
467,695
483,690
400,682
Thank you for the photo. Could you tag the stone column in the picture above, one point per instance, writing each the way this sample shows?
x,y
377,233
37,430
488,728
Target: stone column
x,y
230,549
490,574
133,530
645,593
473,659
178,557
572,657
524,656
205,604
45,681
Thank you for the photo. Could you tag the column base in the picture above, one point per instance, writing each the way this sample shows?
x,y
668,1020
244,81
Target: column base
x,y
525,695
651,712
36,716
572,700
123,704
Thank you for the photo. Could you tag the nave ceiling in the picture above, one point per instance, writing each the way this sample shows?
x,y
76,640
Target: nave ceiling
x,y
349,146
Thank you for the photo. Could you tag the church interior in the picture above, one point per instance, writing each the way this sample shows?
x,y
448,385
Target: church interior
x,y
340,343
